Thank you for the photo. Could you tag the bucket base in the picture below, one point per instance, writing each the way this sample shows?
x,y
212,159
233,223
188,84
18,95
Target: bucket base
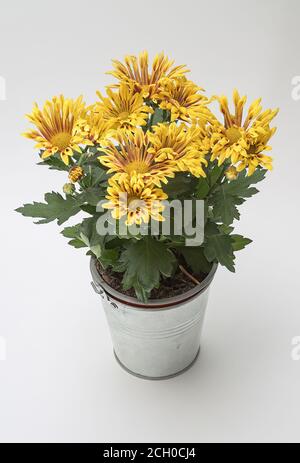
x,y
159,378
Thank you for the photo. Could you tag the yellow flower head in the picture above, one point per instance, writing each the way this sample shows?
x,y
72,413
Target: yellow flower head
x,y
146,81
133,160
124,109
204,142
184,100
137,203
57,127
98,129
178,145
244,142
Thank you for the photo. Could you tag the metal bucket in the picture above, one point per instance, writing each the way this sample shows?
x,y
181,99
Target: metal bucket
x,y
157,340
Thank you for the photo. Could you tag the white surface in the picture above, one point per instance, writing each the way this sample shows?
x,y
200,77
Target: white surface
x,y
60,382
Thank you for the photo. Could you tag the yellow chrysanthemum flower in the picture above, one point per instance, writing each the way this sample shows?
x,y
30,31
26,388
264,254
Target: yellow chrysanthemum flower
x,y
124,109
243,143
58,129
184,100
147,82
98,129
204,142
178,145
137,203
133,161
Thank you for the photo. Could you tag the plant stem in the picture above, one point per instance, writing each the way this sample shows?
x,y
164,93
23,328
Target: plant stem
x,y
191,277
219,181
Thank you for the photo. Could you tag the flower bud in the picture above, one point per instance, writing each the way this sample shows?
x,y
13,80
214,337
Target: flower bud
x,y
68,188
231,173
75,174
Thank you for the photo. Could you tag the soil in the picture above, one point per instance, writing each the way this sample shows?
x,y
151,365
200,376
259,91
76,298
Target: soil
x,y
180,283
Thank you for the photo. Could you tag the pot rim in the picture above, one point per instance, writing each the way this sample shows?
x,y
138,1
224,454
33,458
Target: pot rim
x,y
153,304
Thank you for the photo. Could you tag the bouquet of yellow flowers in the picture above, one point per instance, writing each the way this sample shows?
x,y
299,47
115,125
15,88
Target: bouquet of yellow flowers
x,y
149,140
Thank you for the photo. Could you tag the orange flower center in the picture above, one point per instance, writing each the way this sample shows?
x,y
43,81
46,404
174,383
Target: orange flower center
x,y
140,167
233,134
123,116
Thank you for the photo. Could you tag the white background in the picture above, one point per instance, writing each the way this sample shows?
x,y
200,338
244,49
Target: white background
x,y
59,382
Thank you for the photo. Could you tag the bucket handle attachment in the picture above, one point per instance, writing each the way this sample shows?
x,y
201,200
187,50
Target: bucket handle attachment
x,y
99,290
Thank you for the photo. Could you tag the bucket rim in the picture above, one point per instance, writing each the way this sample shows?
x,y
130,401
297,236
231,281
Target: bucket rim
x,y
153,304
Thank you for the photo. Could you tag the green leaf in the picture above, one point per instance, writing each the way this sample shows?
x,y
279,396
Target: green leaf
x,y
211,228
92,196
94,175
77,243
215,174
90,236
195,259
239,242
72,232
89,229
55,208
225,229
240,186
218,248
109,257
157,116
202,189
54,163
88,209
224,206
232,194
145,262
205,185
180,186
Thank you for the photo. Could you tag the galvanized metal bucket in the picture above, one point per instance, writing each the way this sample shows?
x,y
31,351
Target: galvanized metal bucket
x,y
158,340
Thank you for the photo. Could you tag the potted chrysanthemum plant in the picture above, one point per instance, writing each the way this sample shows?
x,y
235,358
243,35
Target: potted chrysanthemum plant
x,y
160,179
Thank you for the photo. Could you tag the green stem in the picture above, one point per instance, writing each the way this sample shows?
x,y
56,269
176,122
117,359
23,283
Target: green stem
x,y
219,181
81,159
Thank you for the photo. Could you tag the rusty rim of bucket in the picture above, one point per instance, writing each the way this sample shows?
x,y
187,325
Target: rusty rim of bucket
x,y
156,304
